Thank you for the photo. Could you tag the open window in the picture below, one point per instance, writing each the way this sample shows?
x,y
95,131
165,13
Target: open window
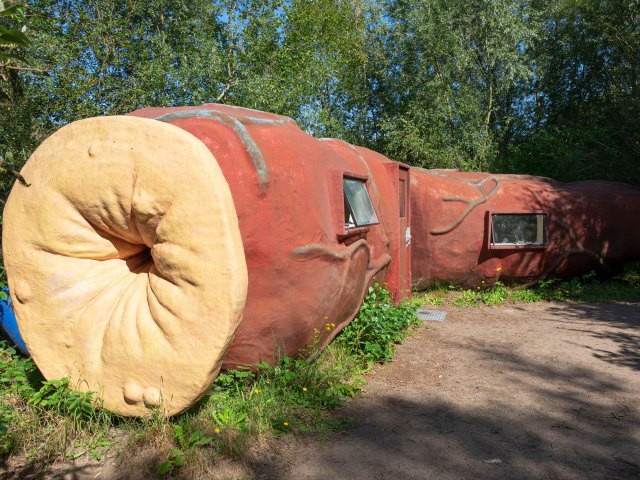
x,y
358,207
518,230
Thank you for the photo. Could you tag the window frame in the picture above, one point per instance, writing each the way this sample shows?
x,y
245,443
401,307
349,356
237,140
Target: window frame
x,y
365,181
517,246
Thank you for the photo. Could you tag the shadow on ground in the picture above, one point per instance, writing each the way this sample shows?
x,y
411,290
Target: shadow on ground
x,y
577,437
623,317
31,471
561,415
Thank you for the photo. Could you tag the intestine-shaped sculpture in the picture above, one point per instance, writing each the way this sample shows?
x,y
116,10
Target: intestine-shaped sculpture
x,y
150,250
474,227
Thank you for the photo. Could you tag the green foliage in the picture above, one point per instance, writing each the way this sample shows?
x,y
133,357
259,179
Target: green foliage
x,y
434,294
429,298
247,405
623,286
46,419
525,295
293,395
494,295
379,325
586,113
469,298
15,385
16,140
542,87
59,397
460,66
548,88
17,373
176,457
258,401
228,418
327,64
12,38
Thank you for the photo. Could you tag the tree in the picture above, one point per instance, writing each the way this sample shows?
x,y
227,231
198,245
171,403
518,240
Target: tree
x,y
14,119
459,66
531,86
326,66
587,122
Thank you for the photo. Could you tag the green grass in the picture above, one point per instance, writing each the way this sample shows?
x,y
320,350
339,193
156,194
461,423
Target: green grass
x,y
38,416
46,421
494,295
624,286
434,295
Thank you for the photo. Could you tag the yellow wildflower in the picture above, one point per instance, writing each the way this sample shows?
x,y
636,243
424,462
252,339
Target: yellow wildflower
x,y
304,389
257,390
286,424
217,430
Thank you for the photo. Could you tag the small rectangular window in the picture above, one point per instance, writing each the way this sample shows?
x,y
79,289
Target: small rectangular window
x,y
358,208
518,229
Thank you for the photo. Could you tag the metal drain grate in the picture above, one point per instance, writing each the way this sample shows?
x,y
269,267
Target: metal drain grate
x,y
433,315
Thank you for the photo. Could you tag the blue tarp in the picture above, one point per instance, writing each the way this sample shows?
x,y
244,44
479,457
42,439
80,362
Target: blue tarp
x,y
9,324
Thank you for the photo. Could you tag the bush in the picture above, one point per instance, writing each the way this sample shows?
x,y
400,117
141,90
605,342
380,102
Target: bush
x,y
379,326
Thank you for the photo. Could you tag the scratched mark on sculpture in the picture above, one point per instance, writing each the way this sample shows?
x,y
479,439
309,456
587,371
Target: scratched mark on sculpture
x,y
471,203
237,124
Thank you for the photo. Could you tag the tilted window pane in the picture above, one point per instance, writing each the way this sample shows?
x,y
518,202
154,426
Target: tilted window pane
x,y
358,206
518,229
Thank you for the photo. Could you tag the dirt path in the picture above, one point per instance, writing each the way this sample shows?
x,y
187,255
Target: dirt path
x,y
540,391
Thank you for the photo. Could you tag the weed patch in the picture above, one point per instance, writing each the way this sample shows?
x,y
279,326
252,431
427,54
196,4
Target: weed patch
x,y
497,294
622,287
434,295
46,420
379,326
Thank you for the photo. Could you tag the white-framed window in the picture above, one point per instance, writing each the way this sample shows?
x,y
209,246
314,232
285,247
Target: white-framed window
x,y
518,229
358,207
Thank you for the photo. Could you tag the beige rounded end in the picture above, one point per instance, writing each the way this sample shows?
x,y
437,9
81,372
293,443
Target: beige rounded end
x,y
126,261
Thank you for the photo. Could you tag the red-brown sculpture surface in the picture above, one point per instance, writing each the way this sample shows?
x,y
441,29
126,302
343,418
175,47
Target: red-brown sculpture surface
x,y
587,227
307,273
